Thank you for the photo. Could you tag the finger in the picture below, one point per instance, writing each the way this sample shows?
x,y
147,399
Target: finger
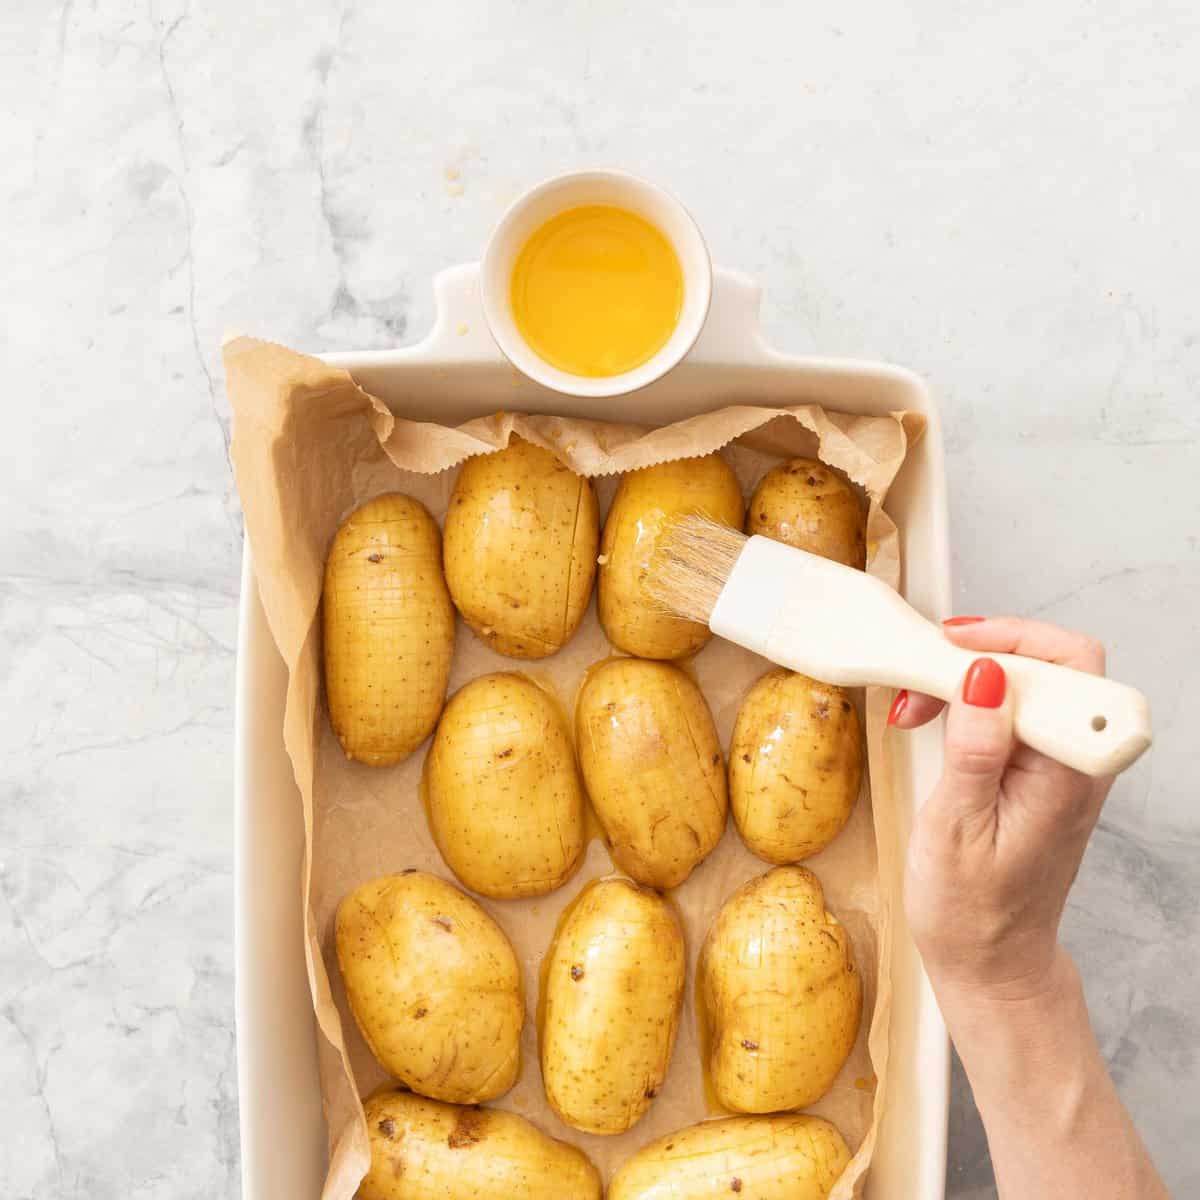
x,y
912,709
979,739
1033,639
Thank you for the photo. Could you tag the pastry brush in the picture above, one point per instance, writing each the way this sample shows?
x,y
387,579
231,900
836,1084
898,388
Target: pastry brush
x,y
843,626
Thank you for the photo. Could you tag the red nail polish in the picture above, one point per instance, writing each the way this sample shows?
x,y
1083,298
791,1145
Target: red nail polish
x,y
985,684
898,706
963,620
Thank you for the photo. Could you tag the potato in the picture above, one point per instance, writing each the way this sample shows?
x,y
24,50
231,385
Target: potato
x,y
613,988
389,630
781,994
434,986
506,806
645,499
520,549
653,767
795,765
792,1157
424,1150
807,504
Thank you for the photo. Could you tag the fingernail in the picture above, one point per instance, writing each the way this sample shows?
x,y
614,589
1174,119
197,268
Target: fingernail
x,y
985,683
898,706
963,620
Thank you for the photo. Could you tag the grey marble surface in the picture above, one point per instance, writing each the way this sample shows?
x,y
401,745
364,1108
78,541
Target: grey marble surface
x,y
1004,201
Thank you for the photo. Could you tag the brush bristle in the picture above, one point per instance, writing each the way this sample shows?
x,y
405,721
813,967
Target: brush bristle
x,y
690,565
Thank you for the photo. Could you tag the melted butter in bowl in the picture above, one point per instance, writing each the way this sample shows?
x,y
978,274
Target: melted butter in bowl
x,y
595,283
597,290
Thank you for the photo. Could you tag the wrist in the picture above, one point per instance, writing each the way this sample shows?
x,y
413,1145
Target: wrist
x,y
1047,1102
1047,985
1022,1037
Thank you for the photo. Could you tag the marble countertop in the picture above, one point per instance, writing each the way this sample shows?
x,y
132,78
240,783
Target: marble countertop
x,y
1004,201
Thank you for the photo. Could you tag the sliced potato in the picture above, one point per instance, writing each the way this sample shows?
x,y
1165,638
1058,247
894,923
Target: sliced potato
x,y
807,504
795,766
792,1157
781,993
610,1010
645,500
425,1150
506,806
389,630
434,986
653,767
520,549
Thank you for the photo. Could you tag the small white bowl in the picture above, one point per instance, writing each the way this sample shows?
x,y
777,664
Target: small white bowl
x,y
548,199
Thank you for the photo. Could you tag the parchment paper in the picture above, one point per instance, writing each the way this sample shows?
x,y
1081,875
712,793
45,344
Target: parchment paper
x,y
308,447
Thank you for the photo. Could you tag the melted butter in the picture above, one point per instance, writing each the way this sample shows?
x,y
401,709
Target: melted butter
x,y
423,789
597,290
544,966
593,831
704,1046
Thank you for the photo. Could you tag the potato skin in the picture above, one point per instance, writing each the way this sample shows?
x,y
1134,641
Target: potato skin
x,y
653,767
520,549
610,1010
506,806
644,501
807,504
781,992
791,1157
434,986
389,630
424,1150
795,765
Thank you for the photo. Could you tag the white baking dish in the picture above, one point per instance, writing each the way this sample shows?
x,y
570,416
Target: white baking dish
x,y
455,374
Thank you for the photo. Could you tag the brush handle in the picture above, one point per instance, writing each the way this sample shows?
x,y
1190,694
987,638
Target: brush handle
x,y
846,627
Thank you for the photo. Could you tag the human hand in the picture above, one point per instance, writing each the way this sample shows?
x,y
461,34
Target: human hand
x,y
997,845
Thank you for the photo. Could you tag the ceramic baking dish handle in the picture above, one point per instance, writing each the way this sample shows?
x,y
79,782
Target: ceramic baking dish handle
x,y
460,334
731,335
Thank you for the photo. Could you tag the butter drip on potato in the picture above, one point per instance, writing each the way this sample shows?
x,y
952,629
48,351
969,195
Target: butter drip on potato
x,y
610,1006
781,993
520,549
795,766
653,767
434,986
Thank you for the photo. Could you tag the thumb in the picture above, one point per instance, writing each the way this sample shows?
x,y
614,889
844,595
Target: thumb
x,y
979,738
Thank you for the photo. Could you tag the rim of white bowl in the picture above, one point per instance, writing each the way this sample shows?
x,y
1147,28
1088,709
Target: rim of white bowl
x,y
662,209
